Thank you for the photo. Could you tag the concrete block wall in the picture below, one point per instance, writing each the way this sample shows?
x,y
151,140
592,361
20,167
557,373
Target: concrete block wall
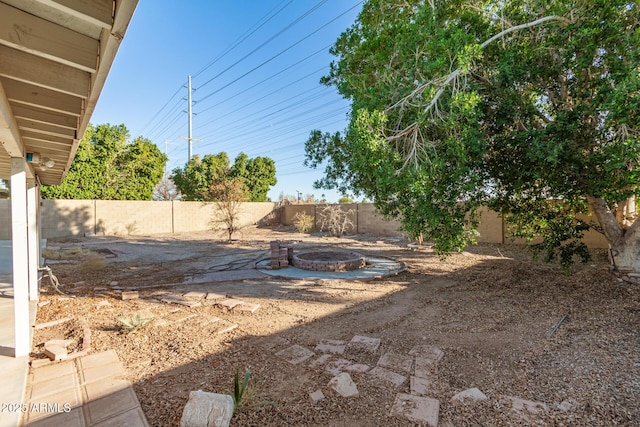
x,y
372,221
132,217
63,218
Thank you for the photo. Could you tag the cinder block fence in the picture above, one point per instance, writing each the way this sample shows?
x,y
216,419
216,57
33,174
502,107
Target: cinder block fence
x,y
65,218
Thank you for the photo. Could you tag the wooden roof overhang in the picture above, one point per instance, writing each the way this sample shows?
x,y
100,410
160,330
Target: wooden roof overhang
x,y
54,59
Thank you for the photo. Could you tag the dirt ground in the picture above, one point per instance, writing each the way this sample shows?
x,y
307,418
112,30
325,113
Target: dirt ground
x,y
491,310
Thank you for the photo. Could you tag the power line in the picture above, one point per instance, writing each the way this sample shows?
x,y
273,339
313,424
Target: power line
x,y
245,36
300,18
278,54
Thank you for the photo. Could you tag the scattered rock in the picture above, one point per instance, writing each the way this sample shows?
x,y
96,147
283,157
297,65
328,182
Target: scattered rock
x,y
344,385
469,394
316,396
43,303
207,410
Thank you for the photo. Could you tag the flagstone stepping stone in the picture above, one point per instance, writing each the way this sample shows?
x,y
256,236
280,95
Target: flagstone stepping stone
x,y
177,299
525,408
331,346
338,366
212,296
360,342
207,409
425,368
388,376
229,303
321,360
418,409
469,394
357,367
427,352
195,295
396,362
295,354
421,386
247,306
344,385
221,327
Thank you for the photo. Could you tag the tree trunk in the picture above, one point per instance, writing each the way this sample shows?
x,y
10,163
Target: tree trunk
x,y
624,243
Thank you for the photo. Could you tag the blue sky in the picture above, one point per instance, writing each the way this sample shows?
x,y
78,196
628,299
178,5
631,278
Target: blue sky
x,y
255,67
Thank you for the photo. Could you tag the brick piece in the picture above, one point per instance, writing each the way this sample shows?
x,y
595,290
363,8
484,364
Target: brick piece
x,y
55,352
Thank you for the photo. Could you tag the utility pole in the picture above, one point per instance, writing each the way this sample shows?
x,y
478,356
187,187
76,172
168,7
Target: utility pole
x,y
190,138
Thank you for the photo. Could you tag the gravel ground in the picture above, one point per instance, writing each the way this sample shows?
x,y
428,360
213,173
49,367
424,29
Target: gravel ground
x,y
491,310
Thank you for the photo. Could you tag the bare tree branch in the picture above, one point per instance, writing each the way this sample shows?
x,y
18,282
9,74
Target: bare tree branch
x,y
409,134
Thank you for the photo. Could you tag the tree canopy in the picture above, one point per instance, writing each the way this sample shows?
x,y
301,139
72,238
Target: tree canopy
x,y
510,104
195,179
107,167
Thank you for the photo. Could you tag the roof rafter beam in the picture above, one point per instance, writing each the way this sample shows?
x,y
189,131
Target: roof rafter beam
x,y
96,12
28,33
43,72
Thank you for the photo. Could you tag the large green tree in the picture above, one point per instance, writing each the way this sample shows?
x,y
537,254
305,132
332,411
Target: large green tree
x,y
529,106
108,167
195,179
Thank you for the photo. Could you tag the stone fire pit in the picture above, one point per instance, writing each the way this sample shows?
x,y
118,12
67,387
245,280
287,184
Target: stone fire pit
x,y
329,260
